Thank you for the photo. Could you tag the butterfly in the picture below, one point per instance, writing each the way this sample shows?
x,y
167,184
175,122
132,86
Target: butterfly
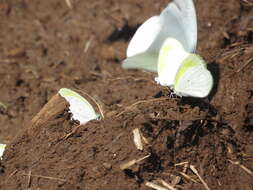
x,y
185,73
177,20
80,108
165,44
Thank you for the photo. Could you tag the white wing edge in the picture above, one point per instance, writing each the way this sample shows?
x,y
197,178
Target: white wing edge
x,y
183,14
203,82
144,37
146,61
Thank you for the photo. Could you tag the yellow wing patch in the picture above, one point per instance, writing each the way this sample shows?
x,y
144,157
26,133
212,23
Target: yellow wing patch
x,y
191,61
168,47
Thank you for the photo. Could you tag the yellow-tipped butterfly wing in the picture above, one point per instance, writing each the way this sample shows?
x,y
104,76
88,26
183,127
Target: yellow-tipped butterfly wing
x,y
80,108
193,78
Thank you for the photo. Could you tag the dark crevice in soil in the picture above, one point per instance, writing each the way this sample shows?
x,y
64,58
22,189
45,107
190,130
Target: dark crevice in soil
x,y
125,33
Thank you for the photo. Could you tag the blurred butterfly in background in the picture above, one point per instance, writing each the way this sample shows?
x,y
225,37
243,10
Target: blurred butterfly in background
x,y
165,44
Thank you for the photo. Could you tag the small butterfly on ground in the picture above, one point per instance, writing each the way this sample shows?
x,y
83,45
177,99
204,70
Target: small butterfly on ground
x,y
80,108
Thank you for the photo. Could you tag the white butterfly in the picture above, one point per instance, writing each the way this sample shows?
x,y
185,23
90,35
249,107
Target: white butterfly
x,y
184,72
177,20
80,108
165,44
2,148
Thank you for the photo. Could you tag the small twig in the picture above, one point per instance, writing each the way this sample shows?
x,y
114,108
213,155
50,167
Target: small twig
x,y
183,119
133,78
248,62
224,33
113,17
247,2
145,140
87,45
155,186
176,181
71,133
69,4
230,54
29,179
12,174
137,139
201,179
247,170
181,163
8,61
97,74
45,177
117,138
187,177
140,102
132,162
186,166
168,186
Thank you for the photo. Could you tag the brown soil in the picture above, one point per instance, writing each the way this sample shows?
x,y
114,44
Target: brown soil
x,y
45,45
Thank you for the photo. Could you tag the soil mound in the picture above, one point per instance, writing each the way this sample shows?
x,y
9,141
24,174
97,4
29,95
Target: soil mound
x,y
48,45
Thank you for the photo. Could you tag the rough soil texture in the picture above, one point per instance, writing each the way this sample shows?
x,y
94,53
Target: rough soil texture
x,y
45,45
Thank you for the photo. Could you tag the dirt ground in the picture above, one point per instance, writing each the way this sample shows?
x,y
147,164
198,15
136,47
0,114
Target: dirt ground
x,y
46,45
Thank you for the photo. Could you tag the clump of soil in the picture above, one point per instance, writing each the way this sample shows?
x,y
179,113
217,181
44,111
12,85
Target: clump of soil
x,y
47,46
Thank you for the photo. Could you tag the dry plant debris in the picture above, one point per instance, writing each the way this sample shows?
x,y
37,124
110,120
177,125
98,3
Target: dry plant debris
x,y
155,186
131,107
45,177
132,162
247,170
137,139
168,186
200,178
69,4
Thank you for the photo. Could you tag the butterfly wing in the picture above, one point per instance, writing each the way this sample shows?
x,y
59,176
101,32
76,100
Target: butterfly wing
x,y
193,79
81,111
80,108
2,148
144,38
179,21
171,56
146,61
